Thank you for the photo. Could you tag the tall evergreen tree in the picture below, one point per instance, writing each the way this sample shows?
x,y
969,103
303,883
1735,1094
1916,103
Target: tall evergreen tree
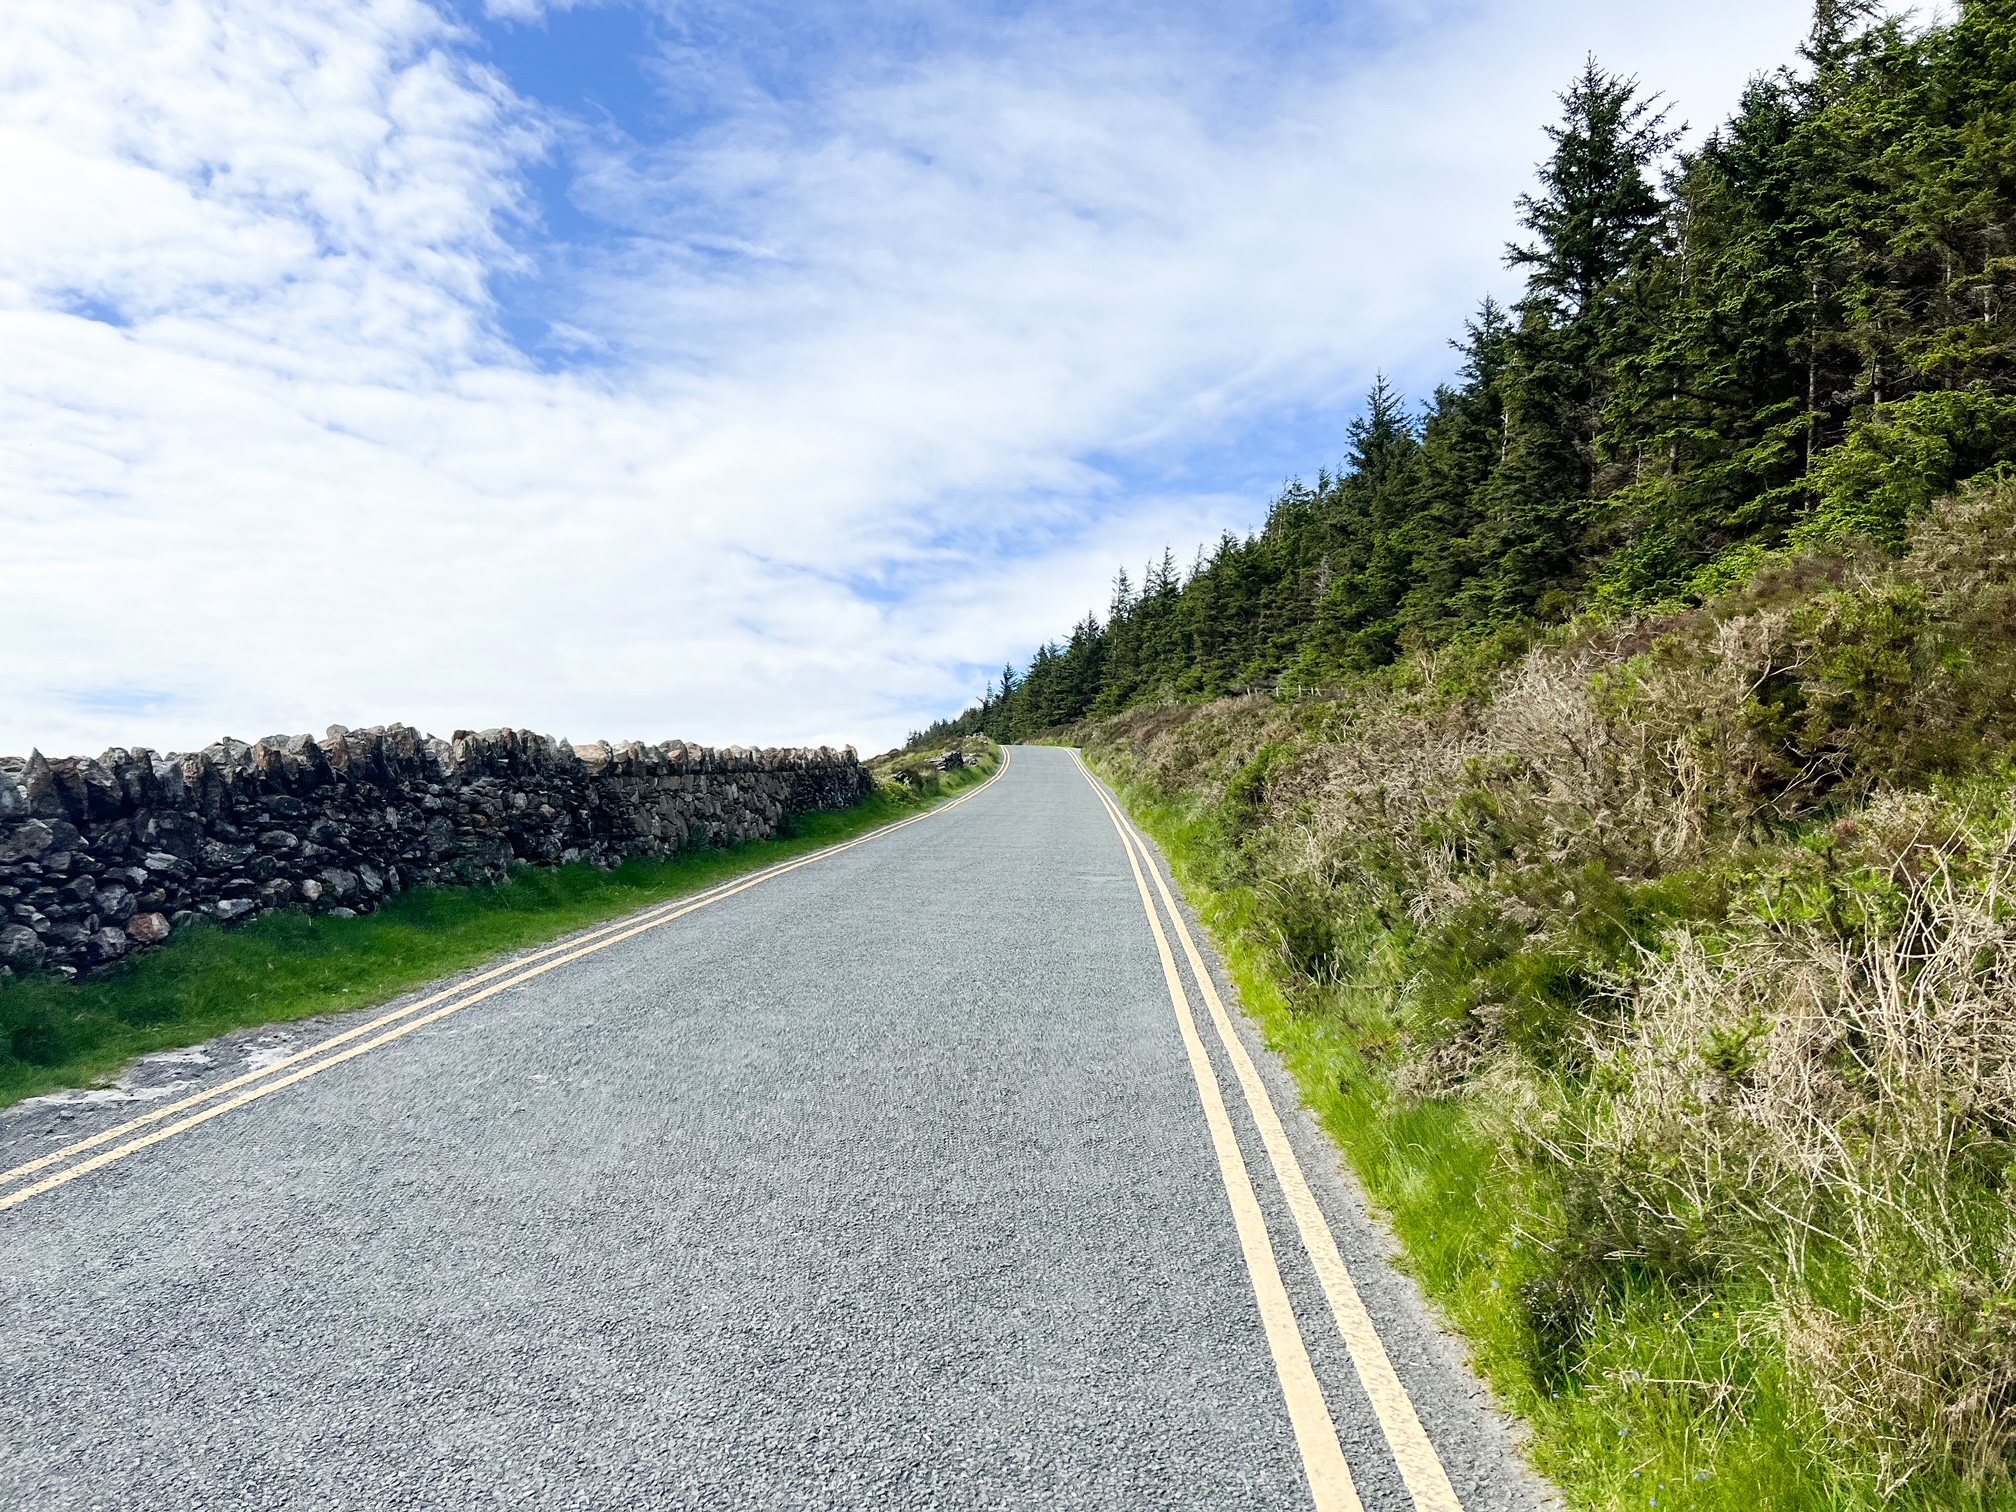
x,y
1598,211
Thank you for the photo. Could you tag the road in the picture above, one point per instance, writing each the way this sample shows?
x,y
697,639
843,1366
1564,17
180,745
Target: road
x,y
922,1174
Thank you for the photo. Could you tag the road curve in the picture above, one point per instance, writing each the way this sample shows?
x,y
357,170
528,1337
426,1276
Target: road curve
x,y
929,1173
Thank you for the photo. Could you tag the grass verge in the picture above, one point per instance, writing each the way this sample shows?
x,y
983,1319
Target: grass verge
x,y
209,981
1676,1405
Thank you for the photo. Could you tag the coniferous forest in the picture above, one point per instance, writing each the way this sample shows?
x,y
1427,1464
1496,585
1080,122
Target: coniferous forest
x,y
1802,330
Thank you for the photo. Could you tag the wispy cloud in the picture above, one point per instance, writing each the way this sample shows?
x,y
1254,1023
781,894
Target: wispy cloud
x,y
354,376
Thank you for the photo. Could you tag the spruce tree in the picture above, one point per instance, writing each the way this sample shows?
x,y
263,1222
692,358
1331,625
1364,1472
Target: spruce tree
x,y
1597,210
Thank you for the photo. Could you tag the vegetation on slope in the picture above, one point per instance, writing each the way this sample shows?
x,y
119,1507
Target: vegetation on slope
x,y
1663,994
209,981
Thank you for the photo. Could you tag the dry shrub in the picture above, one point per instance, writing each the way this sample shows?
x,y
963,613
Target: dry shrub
x,y
1369,797
1581,757
1446,1065
1191,750
1920,1378
1837,1114
1647,760
1580,771
1581,752
1964,552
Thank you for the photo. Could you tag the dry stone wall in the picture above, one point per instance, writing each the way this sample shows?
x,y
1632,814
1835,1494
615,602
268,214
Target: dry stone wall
x,y
99,858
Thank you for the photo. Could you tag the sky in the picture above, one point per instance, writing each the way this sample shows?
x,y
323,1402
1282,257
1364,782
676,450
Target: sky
x,y
735,372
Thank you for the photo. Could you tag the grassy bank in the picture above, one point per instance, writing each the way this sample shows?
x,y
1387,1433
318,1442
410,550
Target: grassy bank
x,y
55,1034
1660,983
1466,1225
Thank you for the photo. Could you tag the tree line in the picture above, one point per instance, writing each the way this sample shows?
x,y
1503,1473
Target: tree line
x,y
1799,331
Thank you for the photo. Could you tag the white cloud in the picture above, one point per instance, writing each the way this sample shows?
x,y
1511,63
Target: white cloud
x,y
878,362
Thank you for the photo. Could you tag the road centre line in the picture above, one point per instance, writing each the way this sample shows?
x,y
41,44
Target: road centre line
x,y
1420,1466
518,971
1330,1483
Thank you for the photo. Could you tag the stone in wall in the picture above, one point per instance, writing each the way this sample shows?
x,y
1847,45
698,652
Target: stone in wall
x,y
101,858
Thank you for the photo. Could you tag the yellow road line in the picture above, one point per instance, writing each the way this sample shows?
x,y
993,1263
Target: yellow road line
x,y
167,1110
516,972
1420,1466
1315,1432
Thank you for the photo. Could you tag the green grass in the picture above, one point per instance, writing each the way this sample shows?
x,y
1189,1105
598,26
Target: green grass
x,y
1626,1430
208,981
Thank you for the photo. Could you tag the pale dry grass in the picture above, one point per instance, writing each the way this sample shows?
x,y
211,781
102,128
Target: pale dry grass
x,y
1836,1113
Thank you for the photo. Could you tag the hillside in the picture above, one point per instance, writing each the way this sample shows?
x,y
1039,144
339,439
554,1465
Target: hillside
x,y
1662,995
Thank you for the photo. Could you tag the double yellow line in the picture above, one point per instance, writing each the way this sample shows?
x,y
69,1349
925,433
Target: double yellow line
x,y
69,1163
1315,1431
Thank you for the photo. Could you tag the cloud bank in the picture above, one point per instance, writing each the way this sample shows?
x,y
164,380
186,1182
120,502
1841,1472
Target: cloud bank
x,y
360,372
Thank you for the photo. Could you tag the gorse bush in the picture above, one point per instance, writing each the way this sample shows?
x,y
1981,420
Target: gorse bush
x,y
1704,925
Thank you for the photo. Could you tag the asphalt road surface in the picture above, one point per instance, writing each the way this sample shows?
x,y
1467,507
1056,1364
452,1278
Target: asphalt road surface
x,y
923,1174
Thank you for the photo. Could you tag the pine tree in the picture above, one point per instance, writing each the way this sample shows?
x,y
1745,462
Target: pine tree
x,y
1597,210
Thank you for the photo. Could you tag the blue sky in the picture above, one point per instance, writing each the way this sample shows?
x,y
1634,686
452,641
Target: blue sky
x,y
735,372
